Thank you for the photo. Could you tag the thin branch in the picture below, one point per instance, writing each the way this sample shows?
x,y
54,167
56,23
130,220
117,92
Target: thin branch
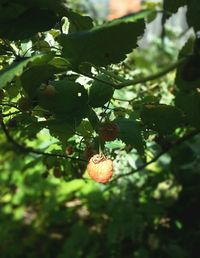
x,y
136,81
173,145
96,78
150,77
111,74
11,114
27,150
104,112
14,105
12,48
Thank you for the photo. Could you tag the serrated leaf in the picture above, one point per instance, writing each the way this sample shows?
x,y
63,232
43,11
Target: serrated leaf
x,y
15,69
70,99
11,11
22,26
161,118
85,129
190,104
188,74
100,93
58,6
40,73
79,22
130,133
60,63
62,130
93,118
105,44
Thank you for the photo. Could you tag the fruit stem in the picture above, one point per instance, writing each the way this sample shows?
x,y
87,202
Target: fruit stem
x,y
100,147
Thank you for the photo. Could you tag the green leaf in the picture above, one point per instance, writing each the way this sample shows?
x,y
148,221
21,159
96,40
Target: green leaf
x,y
59,6
190,104
188,73
93,118
161,118
15,69
130,133
85,129
100,93
105,44
40,73
62,129
79,22
70,99
172,6
193,10
10,11
23,27
60,63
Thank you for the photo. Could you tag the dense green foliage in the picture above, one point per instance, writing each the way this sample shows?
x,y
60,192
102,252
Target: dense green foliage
x,y
63,74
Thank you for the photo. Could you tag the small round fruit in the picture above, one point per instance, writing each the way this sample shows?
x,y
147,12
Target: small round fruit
x,y
69,150
24,104
12,123
108,131
57,172
100,168
49,91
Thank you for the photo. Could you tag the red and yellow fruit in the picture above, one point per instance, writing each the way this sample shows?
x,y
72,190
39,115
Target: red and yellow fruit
x,y
108,131
49,91
100,168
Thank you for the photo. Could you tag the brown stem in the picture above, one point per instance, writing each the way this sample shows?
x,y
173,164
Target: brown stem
x,y
27,150
175,144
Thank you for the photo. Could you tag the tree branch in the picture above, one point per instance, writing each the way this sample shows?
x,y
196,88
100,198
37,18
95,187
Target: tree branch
x,y
27,150
150,77
175,144
135,81
10,114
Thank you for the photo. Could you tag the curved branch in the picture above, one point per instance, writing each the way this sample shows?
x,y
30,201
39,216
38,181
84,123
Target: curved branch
x,y
136,81
10,114
176,143
93,77
150,77
27,150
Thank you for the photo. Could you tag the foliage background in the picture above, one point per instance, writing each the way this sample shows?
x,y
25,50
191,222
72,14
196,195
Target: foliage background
x,y
48,205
